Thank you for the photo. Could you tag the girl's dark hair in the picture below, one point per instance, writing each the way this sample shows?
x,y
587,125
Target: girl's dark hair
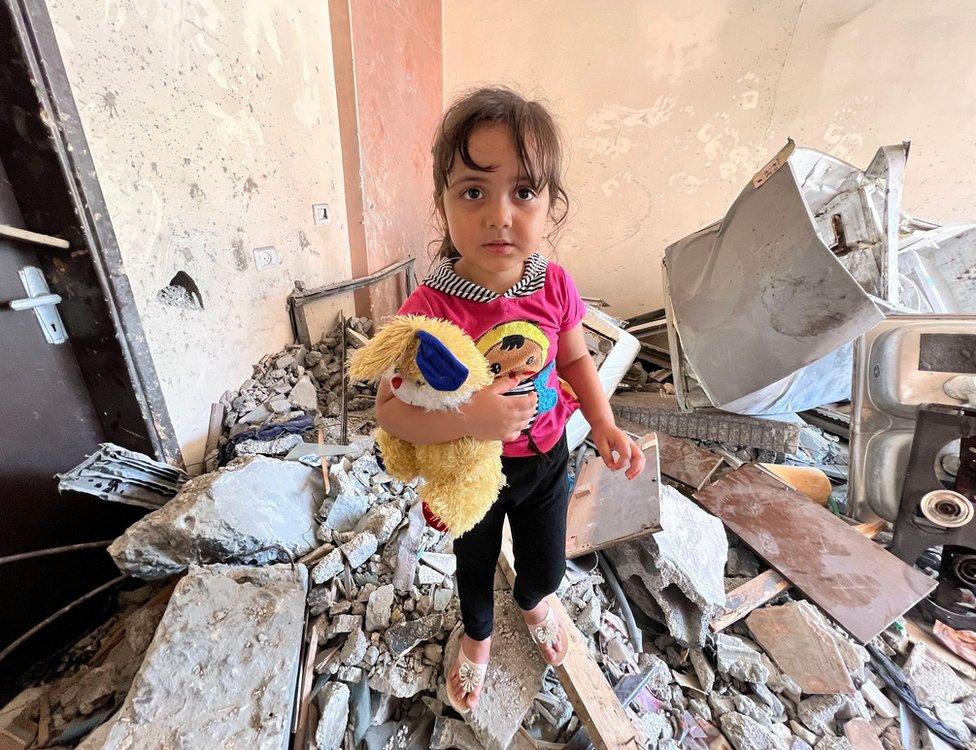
x,y
537,143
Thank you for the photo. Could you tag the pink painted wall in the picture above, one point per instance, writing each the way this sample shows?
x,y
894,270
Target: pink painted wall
x,y
397,59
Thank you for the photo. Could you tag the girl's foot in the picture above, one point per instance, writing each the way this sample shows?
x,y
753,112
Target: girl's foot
x,y
548,632
466,677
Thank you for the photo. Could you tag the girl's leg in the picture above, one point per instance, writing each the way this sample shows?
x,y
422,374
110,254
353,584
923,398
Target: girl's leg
x,y
477,555
539,532
539,546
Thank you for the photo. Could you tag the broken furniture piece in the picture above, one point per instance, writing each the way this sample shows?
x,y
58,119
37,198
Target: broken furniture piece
x,y
119,475
860,585
301,296
905,361
613,350
762,308
938,513
606,508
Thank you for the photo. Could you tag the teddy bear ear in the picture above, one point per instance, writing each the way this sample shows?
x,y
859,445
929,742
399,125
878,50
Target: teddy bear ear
x,y
440,368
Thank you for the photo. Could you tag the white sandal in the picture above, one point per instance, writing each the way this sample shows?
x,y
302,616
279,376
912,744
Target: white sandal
x,y
546,633
471,675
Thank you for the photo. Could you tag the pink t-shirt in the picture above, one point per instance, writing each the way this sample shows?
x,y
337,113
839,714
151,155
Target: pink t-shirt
x,y
517,331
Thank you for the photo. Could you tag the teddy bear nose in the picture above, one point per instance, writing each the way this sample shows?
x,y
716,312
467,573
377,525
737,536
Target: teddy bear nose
x,y
396,382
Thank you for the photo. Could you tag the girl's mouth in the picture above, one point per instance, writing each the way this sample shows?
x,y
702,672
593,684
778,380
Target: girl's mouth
x,y
499,248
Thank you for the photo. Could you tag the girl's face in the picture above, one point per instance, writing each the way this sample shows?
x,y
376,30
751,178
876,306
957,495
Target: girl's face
x,y
494,218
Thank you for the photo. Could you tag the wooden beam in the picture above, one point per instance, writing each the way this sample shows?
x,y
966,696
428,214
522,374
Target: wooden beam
x,y
15,233
591,695
211,453
766,586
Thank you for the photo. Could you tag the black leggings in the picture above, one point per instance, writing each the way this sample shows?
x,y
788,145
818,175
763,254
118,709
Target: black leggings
x,y
535,500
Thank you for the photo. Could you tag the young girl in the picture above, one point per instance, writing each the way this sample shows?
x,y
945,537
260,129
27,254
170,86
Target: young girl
x,y
498,189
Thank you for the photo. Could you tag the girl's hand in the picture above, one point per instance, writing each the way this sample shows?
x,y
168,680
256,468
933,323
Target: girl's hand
x,y
608,439
490,415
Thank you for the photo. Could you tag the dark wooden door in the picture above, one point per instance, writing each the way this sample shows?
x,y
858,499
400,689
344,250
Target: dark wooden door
x,y
47,425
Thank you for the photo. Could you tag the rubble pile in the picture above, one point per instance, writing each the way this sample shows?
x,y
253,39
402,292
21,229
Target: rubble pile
x,y
292,384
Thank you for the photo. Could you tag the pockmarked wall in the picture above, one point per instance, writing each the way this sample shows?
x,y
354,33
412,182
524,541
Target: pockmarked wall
x,y
213,129
670,108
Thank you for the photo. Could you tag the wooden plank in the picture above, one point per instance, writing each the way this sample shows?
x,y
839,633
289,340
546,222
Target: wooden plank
x,y
16,233
686,462
306,683
766,586
325,464
858,584
211,452
591,695
607,508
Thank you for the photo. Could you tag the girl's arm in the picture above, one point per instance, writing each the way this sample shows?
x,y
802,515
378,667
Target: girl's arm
x,y
487,416
575,365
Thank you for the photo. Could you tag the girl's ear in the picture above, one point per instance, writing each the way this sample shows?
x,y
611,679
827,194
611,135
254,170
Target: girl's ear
x,y
384,350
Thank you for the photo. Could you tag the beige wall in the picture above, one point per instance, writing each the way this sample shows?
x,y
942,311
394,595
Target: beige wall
x,y
669,108
213,129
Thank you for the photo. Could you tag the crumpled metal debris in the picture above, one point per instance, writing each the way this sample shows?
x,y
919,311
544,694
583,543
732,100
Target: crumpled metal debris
x,y
119,475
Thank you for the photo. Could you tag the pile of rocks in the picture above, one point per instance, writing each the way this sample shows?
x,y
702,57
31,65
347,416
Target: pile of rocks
x,y
294,383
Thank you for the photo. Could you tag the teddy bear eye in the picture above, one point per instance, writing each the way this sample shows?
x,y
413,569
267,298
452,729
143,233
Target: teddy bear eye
x,y
496,368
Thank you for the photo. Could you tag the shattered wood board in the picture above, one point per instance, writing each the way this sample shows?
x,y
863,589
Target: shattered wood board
x,y
857,583
801,648
662,414
593,699
606,507
769,584
680,459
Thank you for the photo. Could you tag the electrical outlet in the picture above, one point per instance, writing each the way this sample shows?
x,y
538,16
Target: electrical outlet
x,y
320,213
266,257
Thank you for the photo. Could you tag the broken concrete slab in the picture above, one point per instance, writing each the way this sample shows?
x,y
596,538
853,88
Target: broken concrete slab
x,y
405,635
378,608
514,677
819,712
354,649
933,680
677,571
442,562
256,510
222,667
341,624
862,735
407,547
453,734
333,701
328,567
801,648
343,512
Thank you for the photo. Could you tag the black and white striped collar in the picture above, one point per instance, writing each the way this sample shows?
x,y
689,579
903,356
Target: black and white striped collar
x,y
444,279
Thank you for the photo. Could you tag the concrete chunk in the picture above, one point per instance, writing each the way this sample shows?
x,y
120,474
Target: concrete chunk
x,y
304,395
737,658
933,680
380,521
378,608
333,702
222,667
343,512
256,510
746,733
405,635
328,567
359,549
677,573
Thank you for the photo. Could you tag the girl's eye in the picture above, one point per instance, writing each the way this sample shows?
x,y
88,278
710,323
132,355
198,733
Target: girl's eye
x,y
467,194
525,193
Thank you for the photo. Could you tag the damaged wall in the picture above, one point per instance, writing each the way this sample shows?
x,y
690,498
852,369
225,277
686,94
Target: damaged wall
x,y
669,108
213,129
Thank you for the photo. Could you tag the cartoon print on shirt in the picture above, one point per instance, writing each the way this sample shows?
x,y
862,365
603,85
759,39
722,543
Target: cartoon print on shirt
x,y
520,348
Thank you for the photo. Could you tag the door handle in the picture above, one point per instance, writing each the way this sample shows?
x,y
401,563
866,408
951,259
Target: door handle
x,y
33,302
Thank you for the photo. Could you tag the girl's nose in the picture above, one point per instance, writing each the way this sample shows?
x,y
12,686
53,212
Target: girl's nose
x,y
500,213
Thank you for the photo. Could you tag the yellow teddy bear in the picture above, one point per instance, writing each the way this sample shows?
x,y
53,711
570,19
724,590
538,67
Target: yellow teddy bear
x,y
433,364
